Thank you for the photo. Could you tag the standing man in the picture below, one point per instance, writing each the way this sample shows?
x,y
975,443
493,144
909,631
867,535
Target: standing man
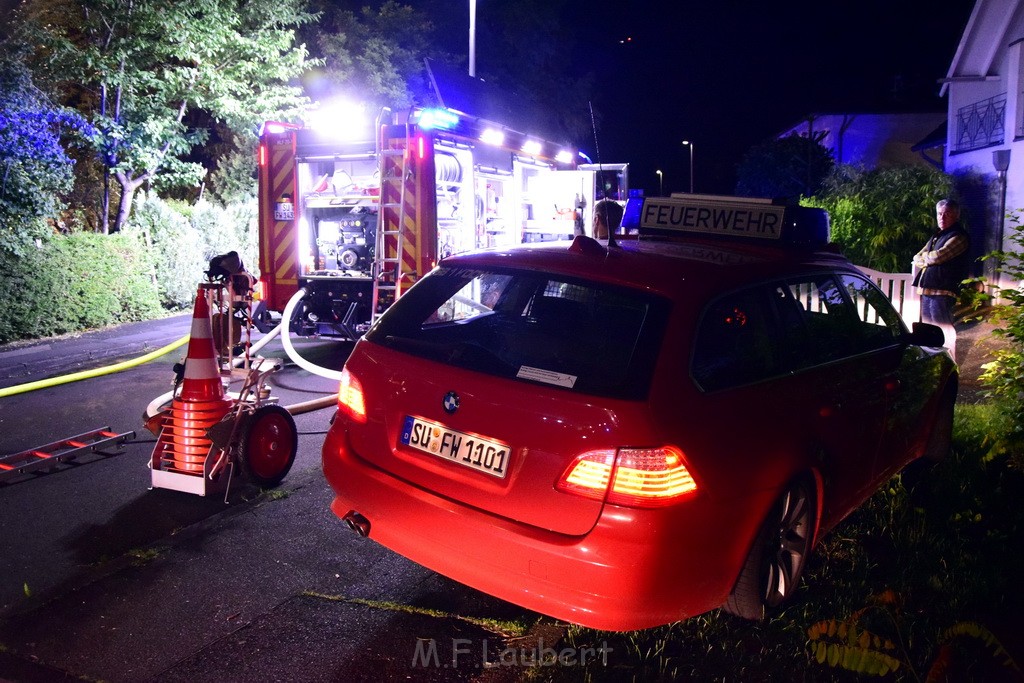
x,y
940,267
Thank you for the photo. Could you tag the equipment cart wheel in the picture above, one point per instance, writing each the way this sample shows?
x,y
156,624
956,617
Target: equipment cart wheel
x,y
267,447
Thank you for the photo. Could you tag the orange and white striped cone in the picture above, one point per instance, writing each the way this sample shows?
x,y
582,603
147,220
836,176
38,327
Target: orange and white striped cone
x,y
202,376
201,402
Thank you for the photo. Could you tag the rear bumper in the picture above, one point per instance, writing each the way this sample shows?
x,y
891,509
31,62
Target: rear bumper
x,y
635,569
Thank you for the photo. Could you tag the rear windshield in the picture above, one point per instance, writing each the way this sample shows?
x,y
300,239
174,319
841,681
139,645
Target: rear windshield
x,y
579,336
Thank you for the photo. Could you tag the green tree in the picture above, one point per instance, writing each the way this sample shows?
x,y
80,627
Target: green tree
x,y
881,217
140,68
35,170
376,55
791,167
371,56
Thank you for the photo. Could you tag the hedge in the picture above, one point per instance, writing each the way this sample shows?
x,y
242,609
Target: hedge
x,y
75,282
81,281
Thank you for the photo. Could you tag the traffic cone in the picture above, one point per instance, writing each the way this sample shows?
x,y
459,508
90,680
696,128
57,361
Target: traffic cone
x,y
183,445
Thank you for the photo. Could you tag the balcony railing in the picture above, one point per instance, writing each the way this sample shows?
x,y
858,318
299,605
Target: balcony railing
x,y
981,124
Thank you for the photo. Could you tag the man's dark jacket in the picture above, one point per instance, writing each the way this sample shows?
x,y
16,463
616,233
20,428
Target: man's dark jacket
x,y
950,274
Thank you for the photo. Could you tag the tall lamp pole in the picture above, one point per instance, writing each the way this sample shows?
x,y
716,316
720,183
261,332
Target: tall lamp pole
x,y
472,38
688,143
661,183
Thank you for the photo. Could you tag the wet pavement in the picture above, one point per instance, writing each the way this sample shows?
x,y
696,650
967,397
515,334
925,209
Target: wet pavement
x,y
103,578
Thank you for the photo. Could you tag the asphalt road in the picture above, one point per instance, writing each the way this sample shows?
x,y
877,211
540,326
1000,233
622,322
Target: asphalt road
x,y
104,578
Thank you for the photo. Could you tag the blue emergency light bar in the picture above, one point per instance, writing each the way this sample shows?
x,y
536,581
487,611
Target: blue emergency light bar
x,y
438,119
736,218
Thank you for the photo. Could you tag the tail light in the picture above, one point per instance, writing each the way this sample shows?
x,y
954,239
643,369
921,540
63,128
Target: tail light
x,y
637,477
350,396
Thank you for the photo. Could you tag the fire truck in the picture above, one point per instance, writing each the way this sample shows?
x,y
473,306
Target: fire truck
x,y
350,216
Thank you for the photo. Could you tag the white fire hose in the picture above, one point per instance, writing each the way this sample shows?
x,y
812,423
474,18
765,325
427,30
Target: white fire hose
x,y
286,317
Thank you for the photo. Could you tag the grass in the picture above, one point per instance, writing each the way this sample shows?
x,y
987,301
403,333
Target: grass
x,y
918,584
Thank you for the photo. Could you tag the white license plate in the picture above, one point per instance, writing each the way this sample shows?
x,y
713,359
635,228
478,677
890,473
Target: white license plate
x,y
469,450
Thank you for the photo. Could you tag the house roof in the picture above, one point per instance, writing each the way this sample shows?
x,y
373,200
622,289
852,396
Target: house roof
x,y
831,118
983,39
936,138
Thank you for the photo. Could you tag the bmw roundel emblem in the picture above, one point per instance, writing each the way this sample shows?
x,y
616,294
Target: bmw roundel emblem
x,y
451,402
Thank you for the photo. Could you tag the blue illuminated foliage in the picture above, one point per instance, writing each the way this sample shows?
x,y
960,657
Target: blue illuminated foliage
x,y
35,169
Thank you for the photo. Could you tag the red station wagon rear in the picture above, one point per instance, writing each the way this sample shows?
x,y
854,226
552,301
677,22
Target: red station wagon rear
x,y
629,434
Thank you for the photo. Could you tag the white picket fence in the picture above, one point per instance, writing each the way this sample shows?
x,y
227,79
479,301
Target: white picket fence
x,y
900,290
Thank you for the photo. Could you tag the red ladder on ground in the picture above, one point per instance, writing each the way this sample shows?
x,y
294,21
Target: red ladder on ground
x,y
50,455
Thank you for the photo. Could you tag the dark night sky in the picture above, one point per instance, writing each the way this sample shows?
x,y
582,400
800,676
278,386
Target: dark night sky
x,y
727,75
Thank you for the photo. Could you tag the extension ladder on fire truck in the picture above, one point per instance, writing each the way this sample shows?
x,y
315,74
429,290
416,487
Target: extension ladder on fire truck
x,y
387,270
52,454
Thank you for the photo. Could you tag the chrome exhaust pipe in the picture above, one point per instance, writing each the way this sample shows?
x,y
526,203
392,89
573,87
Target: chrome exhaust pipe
x,y
357,523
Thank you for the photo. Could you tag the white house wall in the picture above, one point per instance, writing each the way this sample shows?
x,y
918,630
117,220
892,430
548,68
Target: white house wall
x,y
988,64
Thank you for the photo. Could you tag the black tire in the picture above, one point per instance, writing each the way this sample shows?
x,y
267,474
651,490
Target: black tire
x,y
267,448
776,561
940,441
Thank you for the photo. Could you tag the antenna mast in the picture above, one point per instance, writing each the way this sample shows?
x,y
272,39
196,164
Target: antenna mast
x,y
600,176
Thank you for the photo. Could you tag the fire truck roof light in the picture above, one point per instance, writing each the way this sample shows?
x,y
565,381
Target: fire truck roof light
x,y
273,128
343,119
493,136
564,157
531,147
438,119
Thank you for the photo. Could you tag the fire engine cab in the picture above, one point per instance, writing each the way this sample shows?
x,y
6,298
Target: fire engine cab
x,y
350,215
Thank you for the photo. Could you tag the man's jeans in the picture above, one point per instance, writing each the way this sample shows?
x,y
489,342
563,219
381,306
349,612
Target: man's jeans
x,y
938,310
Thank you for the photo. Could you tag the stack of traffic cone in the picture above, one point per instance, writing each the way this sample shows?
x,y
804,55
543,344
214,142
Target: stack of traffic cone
x,y
183,445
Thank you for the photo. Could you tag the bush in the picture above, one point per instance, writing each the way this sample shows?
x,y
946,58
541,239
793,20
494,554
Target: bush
x,y
85,280
183,238
75,282
229,228
1004,375
882,217
35,169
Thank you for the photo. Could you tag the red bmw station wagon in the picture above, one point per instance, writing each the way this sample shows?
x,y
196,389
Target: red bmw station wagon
x,y
627,434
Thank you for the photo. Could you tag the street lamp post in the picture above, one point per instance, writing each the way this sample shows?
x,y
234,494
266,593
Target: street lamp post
x,y
661,183
472,38
688,143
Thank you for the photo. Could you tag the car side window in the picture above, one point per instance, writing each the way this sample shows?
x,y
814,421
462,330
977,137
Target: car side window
x,y
737,342
478,297
827,317
881,324
841,317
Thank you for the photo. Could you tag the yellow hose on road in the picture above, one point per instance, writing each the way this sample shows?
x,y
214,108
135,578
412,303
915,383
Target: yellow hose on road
x,y
86,374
